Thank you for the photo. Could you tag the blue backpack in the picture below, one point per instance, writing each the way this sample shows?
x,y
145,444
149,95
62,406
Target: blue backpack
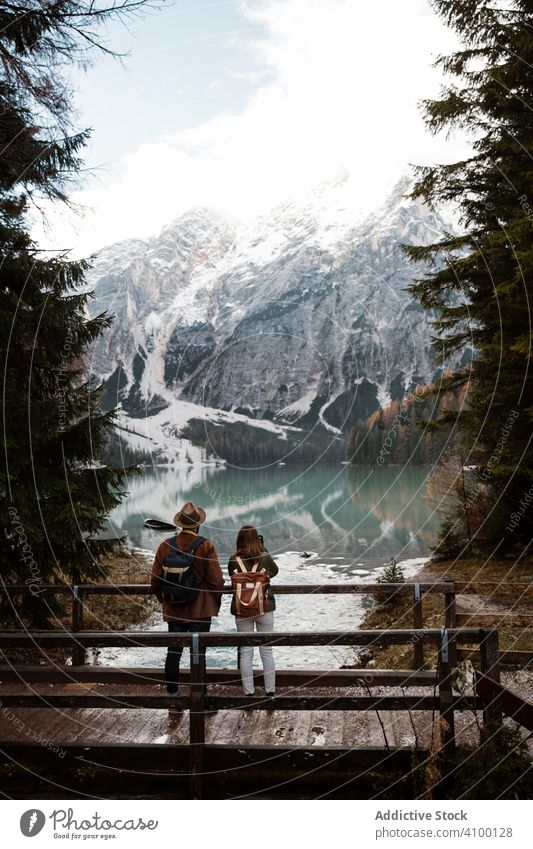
x,y
178,582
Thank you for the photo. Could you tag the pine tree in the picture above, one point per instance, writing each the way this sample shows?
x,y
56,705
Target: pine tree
x,y
481,282
55,494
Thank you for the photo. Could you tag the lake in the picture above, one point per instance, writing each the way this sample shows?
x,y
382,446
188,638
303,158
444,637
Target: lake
x,y
350,520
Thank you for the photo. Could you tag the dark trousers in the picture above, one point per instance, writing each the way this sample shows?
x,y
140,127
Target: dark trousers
x,y
172,664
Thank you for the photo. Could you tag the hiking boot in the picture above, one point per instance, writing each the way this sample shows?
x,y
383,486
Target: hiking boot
x,y
173,708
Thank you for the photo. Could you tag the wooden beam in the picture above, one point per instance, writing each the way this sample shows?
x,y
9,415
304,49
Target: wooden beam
x,y
507,656
492,588
347,638
280,589
450,620
121,701
130,639
446,699
519,709
418,624
224,763
490,666
141,676
495,618
314,703
78,652
91,699
197,717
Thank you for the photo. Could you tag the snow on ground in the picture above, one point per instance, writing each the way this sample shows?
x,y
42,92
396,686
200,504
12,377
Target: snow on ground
x,y
293,612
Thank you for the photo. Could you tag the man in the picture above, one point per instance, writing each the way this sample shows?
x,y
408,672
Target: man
x,y
194,616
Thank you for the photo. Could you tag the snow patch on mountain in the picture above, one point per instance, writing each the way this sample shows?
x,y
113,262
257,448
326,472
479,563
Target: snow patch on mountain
x,y
160,435
298,316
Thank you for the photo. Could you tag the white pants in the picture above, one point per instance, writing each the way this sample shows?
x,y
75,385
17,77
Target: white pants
x,y
247,625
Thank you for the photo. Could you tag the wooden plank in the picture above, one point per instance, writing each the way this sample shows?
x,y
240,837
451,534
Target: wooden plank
x,y
103,639
159,702
435,588
71,725
318,729
214,727
490,666
491,588
223,732
93,724
197,716
413,729
318,702
293,728
446,701
55,725
264,721
450,620
354,727
418,624
98,725
78,652
246,728
219,759
397,727
285,677
495,618
178,727
347,638
508,656
512,705
159,727
334,728
117,701
379,733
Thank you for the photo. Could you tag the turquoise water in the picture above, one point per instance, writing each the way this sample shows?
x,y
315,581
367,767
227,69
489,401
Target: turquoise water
x,y
354,515
350,521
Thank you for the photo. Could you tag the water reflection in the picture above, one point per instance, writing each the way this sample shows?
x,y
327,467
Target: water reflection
x,y
351,521
352,515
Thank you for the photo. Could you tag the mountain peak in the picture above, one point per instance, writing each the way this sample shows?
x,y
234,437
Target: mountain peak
x,y
299,313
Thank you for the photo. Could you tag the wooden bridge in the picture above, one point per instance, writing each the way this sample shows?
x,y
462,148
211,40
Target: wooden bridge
x,y
325,729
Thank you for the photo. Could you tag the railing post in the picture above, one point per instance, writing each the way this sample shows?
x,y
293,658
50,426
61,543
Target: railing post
x,y
489,656
197,716
418,624
78,652
446,694
450,617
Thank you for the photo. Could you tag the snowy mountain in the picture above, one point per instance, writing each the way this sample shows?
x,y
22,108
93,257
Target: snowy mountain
x,y
298,317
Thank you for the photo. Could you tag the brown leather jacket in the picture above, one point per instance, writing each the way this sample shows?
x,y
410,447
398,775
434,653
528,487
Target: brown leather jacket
x,y
207,570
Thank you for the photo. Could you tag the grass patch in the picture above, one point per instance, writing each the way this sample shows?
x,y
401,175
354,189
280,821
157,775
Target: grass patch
x,y
118,612
399,613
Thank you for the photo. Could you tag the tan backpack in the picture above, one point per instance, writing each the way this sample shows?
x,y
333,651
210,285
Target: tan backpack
x,y
250,588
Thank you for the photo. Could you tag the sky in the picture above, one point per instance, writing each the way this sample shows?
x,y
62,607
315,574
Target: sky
x,y
240,104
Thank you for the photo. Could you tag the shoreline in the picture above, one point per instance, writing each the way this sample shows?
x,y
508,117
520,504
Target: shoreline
x,y
500,606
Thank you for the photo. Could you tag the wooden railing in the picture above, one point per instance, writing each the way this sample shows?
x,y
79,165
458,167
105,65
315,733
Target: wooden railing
x,y
200,702
416,591
413,591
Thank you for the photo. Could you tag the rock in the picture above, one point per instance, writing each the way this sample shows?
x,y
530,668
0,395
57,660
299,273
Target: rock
x,y
364,657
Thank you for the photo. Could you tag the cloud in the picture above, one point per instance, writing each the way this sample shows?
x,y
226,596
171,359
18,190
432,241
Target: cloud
x,y
337,85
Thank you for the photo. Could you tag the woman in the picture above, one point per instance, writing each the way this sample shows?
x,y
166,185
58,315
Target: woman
x,y
252,553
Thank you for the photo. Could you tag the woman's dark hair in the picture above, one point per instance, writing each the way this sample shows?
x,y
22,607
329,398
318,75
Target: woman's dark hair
x,y
249,543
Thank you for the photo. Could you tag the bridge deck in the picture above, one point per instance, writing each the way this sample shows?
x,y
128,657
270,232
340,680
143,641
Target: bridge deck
x,y
231,727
